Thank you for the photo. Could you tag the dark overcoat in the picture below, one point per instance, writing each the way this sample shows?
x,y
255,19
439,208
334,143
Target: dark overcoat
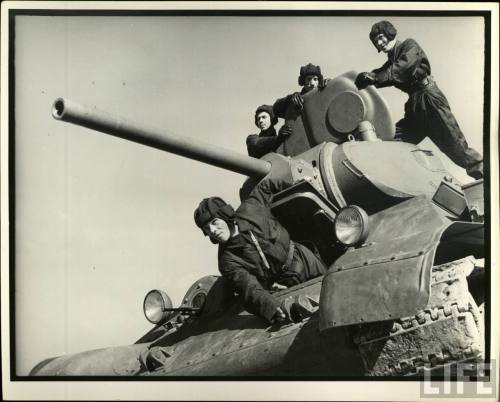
x,y
241,262
260,144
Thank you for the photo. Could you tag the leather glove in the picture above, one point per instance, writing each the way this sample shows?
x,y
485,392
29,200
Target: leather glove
x,y
279,317
294,309
364,79
297,101
323,84
285,132
283,313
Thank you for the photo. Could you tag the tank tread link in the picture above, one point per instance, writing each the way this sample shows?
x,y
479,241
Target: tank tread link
x,y
446,332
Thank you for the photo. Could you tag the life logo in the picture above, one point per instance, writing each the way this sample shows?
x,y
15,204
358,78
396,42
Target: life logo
x,y
464,380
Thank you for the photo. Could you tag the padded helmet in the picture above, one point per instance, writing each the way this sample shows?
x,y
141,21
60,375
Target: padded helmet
x,y
210,208
383,27
269,110
309,69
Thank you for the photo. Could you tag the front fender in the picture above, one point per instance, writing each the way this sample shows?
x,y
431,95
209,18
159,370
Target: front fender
x,y
389,276
120,360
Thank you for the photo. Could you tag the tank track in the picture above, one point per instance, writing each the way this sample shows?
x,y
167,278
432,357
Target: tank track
x,y
448,331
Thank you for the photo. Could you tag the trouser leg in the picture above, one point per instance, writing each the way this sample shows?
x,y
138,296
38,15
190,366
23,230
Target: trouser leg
x,y
448,136
409,129
427,113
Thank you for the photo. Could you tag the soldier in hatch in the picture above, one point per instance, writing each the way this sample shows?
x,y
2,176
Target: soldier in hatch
x,y
310,77
267,140
427,111
255,251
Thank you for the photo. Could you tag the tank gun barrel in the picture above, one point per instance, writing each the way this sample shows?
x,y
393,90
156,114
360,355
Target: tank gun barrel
x,y
72,112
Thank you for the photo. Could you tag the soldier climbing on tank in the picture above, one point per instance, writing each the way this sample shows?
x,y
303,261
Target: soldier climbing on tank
x,y
427,111
310,77
267,140
255,251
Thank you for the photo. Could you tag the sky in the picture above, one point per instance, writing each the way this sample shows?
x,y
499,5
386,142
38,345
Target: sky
x,y
100,221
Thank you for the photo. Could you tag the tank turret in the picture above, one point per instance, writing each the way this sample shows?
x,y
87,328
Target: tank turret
x,y
399,234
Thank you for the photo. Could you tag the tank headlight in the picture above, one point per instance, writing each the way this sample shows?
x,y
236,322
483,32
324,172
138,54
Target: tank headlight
x,y
156,305
351,226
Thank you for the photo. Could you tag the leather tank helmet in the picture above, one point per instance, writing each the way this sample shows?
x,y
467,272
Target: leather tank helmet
x,y
310,69
269,110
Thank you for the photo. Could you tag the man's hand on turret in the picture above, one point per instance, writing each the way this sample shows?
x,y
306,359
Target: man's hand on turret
x,y
323,83
364,79
285,132
297,100
280,317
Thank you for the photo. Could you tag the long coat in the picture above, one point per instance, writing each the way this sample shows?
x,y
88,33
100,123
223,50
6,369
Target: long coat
x,y
241,262
427,112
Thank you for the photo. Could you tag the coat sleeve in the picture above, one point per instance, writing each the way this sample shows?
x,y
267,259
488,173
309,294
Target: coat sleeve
x,y
403,68
259,146
256,299
262,195
281,105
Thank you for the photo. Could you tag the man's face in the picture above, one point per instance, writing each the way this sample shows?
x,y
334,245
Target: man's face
x,y
382,43
311,81
263,120
218,230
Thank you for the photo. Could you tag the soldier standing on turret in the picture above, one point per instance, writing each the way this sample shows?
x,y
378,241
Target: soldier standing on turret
x,y
267,140
255,251
427,111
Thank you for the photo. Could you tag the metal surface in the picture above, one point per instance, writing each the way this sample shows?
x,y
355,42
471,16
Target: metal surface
x,y
445,331
328,174
450,198
366,131
346,111
121,360
389,277
474,194
94,119
379,174
341,101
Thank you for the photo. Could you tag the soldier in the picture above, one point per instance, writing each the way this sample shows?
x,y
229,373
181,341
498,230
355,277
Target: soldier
x,y
427,111
255,251
310,77
267,140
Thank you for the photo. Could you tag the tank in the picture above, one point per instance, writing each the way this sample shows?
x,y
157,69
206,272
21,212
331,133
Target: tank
x,y
403,241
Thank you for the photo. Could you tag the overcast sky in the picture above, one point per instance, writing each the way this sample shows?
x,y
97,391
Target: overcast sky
x,y
101,221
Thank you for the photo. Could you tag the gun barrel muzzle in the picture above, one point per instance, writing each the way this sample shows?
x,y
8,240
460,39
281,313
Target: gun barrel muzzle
x,y
72,112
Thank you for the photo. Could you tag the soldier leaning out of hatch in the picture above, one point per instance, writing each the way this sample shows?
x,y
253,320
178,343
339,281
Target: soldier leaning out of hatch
x,y
267,140
427,111
310,77
255,251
